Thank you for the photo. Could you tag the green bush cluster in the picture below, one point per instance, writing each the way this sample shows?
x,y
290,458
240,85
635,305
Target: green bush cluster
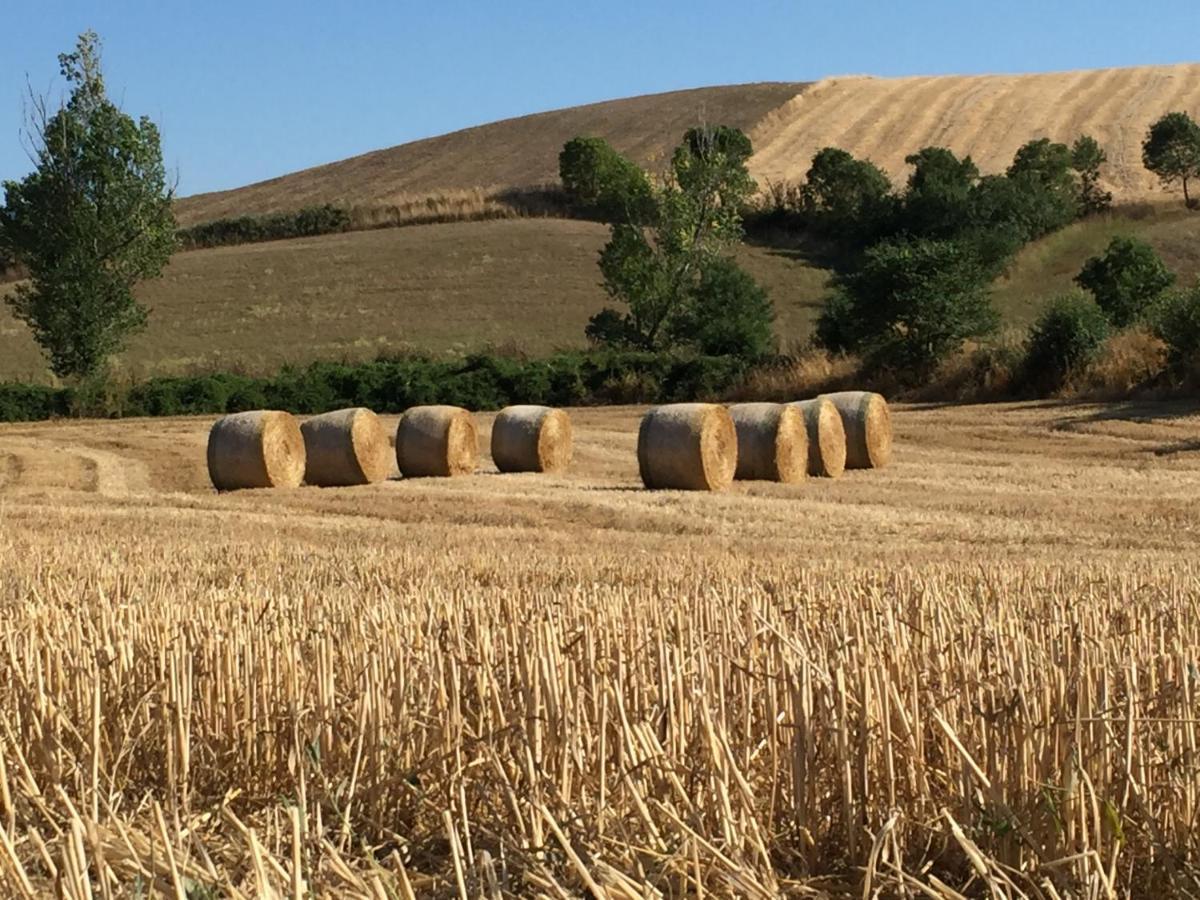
x,y
1067,335
307,222
1176,321
32,402
482,381
913,265
1126,280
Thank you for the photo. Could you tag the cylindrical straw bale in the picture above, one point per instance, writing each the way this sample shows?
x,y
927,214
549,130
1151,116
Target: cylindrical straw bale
x,y
531,439
258,449
772,442
826,437
436,441
868,424
345,447
687,446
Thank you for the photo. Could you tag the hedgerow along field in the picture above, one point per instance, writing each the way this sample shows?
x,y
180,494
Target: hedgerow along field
x,y
971,673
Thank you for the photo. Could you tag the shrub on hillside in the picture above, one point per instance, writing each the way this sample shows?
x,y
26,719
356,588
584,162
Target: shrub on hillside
x,y
601,181
847,198
909,305
308,222
730,314
194,395
1176,321
32,402
1126,279
1066,336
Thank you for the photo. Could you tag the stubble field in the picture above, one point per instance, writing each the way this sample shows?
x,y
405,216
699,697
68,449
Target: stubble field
x,y
972,673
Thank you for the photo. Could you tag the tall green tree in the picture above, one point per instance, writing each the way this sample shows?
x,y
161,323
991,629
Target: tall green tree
x,y
1172,151
599,179
674,272
1041,169
910,304
937,200
846,197
1087,156
91,221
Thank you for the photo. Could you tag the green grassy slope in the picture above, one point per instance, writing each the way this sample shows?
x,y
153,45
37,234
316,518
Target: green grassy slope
x,y
1047,268
529,284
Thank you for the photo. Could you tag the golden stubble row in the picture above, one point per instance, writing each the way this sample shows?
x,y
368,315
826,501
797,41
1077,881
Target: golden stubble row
x,y
328,717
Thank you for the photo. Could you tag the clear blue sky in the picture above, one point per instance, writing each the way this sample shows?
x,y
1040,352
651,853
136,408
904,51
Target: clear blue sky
x,y
250,90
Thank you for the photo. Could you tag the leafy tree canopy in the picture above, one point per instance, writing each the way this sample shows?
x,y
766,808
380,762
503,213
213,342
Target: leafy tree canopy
x,y
1172,151
91,221
1126,279
910,304
673,270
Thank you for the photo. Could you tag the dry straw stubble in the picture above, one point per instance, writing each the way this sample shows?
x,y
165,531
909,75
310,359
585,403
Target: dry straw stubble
x,y
436,441
868,425
532,439
257,449
687,446
772,442
346,447
826,437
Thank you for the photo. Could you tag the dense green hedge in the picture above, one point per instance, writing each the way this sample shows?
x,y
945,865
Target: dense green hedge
x,y
392,385
307,222
31,402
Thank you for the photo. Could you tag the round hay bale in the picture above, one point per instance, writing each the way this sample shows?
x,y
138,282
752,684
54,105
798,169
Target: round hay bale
x,y
687,446
258,449
868,425
345,447
772,442
436,441
826,437
531,439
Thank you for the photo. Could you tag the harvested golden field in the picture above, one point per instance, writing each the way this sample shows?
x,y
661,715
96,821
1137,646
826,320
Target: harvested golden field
x,y
530,284
883,119
973,671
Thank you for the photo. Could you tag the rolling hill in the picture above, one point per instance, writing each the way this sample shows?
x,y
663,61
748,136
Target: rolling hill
x,y
520,152
532,283
883,119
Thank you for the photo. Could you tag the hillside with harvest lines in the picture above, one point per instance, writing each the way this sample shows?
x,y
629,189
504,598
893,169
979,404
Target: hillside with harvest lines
x,y
882,119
